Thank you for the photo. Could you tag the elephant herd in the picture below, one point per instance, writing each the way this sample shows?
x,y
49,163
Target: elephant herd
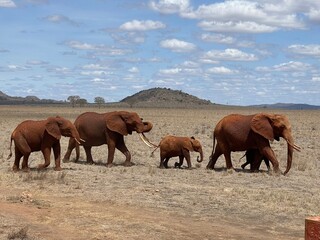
x,y
235,132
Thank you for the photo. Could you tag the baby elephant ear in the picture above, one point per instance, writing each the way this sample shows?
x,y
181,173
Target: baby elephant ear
x,y
52,128
260,124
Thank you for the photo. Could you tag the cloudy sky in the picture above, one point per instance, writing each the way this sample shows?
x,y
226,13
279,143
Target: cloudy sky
x,y
229,52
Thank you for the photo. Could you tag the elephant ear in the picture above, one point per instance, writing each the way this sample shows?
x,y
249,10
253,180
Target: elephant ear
x,y
52,128
116,123
188,144
260,124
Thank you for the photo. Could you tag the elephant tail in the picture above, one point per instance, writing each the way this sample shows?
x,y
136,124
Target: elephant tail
x,y
156,147
10,154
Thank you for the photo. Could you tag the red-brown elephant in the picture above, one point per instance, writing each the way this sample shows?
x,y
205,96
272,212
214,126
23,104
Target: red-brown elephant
x,y
107,128
30,136
242,132
173,146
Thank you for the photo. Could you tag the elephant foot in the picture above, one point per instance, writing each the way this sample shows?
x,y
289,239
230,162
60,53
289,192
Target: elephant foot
x,y
89,162
109,165
57,168
15,168
42,166
26,169
177,165
128,164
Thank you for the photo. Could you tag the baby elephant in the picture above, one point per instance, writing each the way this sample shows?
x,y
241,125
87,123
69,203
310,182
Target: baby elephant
x,y
172,146
254,158
31,136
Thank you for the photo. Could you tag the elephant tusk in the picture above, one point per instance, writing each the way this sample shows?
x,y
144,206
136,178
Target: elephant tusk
x,y
77,141
82,140
146,140
294,146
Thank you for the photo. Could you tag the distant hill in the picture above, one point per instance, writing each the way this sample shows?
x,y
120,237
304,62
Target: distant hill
x,y
165,97
8,100
289,106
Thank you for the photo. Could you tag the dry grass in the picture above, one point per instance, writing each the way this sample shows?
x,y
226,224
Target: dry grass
x,y
145,202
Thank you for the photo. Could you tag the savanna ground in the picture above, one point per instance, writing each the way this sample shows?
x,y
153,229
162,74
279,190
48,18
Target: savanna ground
x,y
145,202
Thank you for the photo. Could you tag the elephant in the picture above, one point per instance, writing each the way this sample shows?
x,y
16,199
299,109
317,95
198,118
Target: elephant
x,y
107,128
254,158
237,132
30,136
173,146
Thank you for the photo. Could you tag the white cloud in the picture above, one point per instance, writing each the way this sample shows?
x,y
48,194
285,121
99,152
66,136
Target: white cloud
x,y
134,70
137,25
218,38
314,14
176,45
242,15
315,79
170,6
291,66
221,70
7,3
98,49
232,26
60,19
312,50
81,46
230,54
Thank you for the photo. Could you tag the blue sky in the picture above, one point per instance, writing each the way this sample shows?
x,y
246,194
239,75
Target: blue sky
x,y
230,52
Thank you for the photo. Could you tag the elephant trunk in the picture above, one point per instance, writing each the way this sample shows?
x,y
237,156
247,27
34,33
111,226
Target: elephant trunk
x,y
201,156
147,126
75,134
291,146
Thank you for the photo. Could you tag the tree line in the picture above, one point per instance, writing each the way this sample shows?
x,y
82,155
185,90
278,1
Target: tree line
x,y
76,100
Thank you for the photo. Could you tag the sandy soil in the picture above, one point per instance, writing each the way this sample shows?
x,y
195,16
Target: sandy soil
x,y
145,202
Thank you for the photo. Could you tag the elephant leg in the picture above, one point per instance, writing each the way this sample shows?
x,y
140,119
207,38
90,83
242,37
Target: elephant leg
x,y
111,151
163,161
46,153
179,164
227,156
25,167
123,148
87,149
266,161
186,154
57,156
214,157
268,153
17,157
71,146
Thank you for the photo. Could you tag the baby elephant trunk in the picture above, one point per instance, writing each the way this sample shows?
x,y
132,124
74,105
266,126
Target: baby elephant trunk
x,y
201,157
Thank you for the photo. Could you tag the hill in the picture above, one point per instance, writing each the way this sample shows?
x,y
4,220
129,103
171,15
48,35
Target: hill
x,y
8,100
165,97
289,106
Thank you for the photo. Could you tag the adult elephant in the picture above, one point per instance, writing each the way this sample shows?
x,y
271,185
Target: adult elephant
x,y
237,132
30,136
107,128
173,146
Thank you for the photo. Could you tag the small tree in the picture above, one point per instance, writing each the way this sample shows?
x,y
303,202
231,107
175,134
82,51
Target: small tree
x,y
82,102
73,100
99,101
